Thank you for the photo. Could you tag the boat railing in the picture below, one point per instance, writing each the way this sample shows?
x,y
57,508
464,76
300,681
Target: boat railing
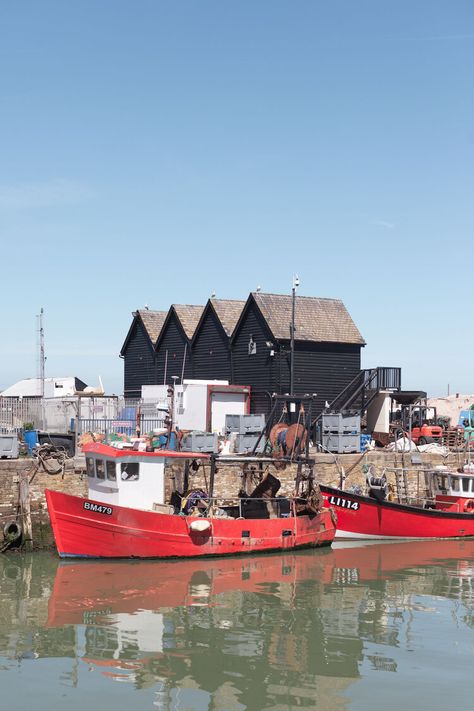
x,y
421,502
246,507
430,502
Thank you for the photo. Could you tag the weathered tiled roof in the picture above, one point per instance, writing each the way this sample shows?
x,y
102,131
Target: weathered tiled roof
x,y
189,317
153,322
316,319
228,312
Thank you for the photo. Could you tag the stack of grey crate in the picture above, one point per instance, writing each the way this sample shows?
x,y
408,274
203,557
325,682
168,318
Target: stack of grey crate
x,y
340,432
246,430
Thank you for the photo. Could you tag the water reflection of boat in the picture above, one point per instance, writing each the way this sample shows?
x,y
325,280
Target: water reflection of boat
x,y
90,591
256,632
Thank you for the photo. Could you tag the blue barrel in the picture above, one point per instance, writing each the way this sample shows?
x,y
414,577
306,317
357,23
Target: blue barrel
x,y
163,441
31,439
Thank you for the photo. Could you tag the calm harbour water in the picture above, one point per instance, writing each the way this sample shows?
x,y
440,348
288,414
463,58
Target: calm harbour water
x,y
380,626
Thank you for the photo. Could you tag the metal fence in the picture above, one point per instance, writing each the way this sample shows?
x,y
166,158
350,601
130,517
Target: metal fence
x,y
88,414
119,426
16,413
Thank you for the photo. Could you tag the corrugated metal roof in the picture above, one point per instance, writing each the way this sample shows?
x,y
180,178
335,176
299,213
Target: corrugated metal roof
x,y
316,319
153,322
228,312
189,316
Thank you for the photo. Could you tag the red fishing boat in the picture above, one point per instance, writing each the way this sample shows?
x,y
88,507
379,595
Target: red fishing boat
x,y
132,510
431,503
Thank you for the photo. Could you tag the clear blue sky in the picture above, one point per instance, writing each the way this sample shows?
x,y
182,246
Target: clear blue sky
x,y
153,152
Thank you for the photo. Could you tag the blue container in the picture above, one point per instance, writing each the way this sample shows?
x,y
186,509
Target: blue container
x,y
163,441
365,440
31,439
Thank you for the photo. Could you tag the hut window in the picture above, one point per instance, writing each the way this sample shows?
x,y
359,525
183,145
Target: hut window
x,y
252,346
111,471
100,469
129,471
455,483
90,466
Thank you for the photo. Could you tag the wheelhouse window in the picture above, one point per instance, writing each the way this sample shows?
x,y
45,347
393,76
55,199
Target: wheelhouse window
x,y
90,467
111,471
455,483
100,468
442,482
465,483
129,471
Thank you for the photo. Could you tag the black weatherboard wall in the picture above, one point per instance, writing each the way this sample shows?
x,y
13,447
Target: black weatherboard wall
x,y
174,346
253,364
138,351
211,352
211,342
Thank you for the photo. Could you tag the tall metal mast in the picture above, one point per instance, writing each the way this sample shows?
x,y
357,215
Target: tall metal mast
x,y
42,361
296,283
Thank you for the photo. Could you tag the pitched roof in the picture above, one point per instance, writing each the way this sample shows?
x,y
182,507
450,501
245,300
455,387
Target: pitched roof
x,y
316,319
189,317
228,312
153,322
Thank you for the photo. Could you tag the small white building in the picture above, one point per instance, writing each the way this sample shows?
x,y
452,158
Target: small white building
x,y
53,387
200,405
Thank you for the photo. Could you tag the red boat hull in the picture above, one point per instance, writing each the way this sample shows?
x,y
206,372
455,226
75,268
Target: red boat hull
x,y
87,529
364,517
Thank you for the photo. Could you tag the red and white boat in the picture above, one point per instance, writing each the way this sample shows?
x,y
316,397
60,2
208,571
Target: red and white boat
x,y
127,514
443,507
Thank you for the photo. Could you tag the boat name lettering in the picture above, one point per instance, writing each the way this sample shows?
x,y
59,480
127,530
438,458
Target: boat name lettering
x,y
344,503
98,508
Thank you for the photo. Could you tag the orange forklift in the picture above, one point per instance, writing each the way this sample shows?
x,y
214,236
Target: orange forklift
x,y
417,419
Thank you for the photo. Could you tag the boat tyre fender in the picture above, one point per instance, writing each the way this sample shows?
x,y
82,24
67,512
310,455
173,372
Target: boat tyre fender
x,y
469,506
12,532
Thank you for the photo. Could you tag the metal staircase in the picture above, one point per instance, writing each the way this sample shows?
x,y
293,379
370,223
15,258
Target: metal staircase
x,y
359,393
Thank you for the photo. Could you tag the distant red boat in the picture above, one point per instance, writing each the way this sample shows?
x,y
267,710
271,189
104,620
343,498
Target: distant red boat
x,y
445,509
126,514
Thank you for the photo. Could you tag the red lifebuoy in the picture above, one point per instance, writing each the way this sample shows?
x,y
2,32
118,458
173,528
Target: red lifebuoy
x,y
469,506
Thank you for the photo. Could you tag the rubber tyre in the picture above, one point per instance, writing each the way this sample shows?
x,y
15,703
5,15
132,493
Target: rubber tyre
x,y
12,531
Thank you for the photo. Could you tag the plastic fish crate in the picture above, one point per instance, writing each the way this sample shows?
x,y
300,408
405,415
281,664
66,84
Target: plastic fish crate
x,y
341,443
244,443
9,448
340,423
205,442
244,424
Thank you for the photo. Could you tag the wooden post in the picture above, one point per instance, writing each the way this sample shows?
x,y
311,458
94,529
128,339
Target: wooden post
x,y
211,480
